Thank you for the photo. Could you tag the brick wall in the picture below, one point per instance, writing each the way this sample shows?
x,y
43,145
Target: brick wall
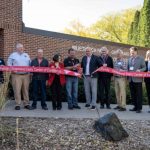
x,y
12,30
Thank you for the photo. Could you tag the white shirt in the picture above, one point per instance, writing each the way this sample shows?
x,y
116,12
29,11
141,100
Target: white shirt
x,y
17,59
148,65
87,70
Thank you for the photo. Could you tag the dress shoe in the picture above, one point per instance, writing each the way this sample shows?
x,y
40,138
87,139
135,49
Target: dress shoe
x,y
28,107
133,109
87,105
117,107
77,107
59,108
17,108
138,111
33,107
45,108
122,109
102,106
93,108
108,107
70,107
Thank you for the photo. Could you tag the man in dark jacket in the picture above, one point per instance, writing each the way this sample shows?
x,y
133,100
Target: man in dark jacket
x,y
39,80
2,63
147,80
105,79
89,64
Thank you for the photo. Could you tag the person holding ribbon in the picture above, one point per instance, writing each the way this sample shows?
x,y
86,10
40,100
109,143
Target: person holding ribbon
x,y
56,82
136,64
20,80
90,63
120,81
147,80
39,80
2,63
105,78
73,64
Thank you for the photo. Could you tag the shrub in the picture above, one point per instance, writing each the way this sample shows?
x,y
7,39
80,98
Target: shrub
x,y
81,93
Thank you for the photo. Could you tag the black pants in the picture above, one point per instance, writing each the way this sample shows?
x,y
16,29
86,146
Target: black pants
x,y
104,91
56,89
39,85
147,84
136,94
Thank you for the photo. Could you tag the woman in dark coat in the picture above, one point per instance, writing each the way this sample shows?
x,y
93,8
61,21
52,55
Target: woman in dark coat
x,y
147,80
56,82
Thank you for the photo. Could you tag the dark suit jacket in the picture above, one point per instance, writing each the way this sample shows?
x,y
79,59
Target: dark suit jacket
x,y
40,76
1,73
109,62
95,63
146,79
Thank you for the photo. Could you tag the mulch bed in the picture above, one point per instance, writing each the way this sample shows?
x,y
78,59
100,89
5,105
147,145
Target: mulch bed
x,y
68,134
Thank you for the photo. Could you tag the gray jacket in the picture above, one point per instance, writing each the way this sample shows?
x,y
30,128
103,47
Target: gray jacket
x,y
139,63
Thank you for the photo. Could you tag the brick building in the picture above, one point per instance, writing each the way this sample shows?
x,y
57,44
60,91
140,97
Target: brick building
x,y
13,30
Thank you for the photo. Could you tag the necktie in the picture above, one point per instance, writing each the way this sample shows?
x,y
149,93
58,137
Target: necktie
x,y
104,59
132,61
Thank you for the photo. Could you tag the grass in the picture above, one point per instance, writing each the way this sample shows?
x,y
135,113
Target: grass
x,y
4,90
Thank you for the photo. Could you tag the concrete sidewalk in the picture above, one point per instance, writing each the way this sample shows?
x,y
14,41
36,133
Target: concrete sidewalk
x,y
65,113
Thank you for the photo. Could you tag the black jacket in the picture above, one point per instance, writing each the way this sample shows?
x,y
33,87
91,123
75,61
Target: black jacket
x,y
68,62
40,76
146,79
1,73
95,63
109,62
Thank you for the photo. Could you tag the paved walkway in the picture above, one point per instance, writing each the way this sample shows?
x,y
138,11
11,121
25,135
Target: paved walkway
x,y
65,113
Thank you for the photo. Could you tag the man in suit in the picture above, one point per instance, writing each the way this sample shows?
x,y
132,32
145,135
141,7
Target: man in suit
x,y
136,64
2,63
105,78
147,80
89,64
39,80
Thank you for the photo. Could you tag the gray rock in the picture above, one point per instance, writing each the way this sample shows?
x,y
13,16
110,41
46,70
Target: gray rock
x,y
110,127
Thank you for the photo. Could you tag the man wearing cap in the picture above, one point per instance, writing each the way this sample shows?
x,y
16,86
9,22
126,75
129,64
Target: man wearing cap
x,y
39,80
20,80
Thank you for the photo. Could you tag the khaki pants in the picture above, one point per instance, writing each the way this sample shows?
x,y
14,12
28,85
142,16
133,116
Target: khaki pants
x,y
20,84
120,90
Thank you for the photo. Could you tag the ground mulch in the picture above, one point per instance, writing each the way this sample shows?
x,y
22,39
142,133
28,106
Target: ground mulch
x,y
67,134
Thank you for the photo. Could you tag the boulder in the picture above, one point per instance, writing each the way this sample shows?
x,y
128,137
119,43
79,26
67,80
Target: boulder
x,y
110,127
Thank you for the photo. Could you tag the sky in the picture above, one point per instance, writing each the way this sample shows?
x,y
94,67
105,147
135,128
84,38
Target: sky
x,y
55,15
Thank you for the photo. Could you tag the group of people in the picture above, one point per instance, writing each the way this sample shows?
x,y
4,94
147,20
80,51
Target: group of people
x,y
96,84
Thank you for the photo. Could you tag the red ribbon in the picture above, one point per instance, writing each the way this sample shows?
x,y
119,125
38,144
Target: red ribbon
x,y
71,73
124,73
38,69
